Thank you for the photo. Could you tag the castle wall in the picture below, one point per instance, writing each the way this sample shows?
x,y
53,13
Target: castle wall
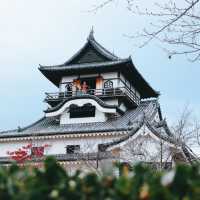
x,y
58,146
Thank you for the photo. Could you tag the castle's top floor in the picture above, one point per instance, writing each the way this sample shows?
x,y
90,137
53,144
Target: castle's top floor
x,y
94,84
93,60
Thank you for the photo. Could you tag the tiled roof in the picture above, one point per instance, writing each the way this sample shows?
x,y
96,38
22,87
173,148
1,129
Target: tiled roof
x,y
111,58
50,125
99,48
83,65
130,122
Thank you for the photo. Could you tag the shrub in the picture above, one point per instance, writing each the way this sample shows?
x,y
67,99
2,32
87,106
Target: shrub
x,y
53,183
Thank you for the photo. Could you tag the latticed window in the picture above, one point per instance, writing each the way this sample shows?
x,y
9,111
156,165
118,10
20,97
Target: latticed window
x,y
108,84
70,149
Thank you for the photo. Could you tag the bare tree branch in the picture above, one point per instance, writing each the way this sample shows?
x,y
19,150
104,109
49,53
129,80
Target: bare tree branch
x,y
176,25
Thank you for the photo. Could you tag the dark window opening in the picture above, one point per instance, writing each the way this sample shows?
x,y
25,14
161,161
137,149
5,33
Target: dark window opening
x,y
70,149
80,112
91,82
86,85
101,148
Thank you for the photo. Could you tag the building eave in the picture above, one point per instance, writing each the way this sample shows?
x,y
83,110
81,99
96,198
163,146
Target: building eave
x,y
145,89
85,96
48,126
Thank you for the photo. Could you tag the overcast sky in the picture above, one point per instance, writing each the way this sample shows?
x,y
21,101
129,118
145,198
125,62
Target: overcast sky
x,y
48,32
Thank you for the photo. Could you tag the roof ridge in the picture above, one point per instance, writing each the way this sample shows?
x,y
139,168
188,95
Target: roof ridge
x,y
85,64
98,45
23,128
34,123
8,131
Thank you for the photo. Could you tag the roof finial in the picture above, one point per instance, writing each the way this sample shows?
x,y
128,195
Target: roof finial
x,y
91,35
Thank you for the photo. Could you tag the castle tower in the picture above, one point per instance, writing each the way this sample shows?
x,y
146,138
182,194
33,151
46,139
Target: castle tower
x,y
103,110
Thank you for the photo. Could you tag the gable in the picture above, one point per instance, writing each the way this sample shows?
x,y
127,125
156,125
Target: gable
x,y
145,148
88,55
143,132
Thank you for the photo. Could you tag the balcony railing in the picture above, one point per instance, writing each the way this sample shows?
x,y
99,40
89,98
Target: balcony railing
x,y
123,91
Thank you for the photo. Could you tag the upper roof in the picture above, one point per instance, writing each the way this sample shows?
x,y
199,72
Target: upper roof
x,y
92,51
93,58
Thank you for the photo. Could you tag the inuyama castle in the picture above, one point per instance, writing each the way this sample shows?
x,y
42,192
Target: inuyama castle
x,y
103,111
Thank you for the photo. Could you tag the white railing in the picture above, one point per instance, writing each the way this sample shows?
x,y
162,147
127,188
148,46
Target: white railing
x,y
124,90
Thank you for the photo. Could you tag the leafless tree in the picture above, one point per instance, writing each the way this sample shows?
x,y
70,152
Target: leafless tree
x,y
187,128
176,25
145,149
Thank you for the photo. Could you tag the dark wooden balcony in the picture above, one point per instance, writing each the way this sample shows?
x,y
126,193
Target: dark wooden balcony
x,y
122,92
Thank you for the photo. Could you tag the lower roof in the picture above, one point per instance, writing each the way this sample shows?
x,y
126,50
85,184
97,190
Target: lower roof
x,y
51,125
130,122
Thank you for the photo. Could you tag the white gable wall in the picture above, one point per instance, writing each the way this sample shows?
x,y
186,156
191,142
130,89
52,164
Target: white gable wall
x,y
145,146
147,149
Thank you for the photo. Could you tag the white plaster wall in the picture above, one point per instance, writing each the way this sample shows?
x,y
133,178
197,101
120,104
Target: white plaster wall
x,y
89,144
123,107
111,102
109,75
68,78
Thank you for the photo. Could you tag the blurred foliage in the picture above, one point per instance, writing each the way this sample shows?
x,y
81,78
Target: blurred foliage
x,y
53,183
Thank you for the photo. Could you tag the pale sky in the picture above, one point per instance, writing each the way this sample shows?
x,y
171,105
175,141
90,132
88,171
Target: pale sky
x,y
48,32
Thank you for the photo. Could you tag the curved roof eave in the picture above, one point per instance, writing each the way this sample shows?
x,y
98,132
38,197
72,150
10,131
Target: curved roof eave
x,y
146,84
91,40
86,96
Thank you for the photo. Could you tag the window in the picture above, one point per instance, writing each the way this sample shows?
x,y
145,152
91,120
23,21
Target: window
x,y
91,82
70,149
86,110
85,85
108,87
108,84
